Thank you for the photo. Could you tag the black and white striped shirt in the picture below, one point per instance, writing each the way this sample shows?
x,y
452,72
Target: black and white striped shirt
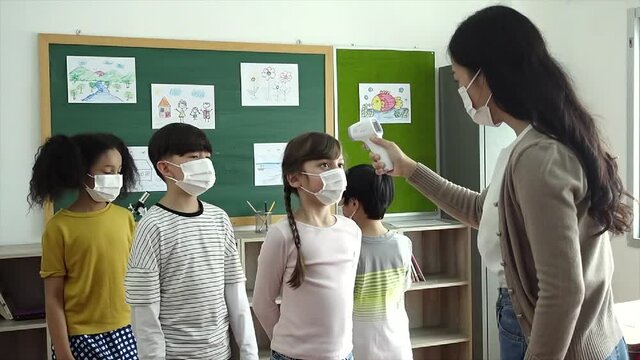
x,y
183,261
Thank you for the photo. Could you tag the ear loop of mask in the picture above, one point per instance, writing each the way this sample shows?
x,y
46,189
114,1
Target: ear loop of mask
x,y
471,82
489,99
170,163
312,174
474,79
354,211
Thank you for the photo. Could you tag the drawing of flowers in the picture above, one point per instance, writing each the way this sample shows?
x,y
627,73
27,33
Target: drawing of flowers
x,y
285,76
277,91
253,91
282,88
268,73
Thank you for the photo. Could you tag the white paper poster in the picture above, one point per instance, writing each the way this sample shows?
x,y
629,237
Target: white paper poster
x,y
105,80
190,104
148,179
267,159
388,103
269,84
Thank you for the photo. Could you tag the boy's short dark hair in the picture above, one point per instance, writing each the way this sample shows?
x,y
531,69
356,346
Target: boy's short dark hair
x,y
373,191
176,139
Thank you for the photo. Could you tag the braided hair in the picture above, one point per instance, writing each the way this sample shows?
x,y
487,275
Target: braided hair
x,y
303,148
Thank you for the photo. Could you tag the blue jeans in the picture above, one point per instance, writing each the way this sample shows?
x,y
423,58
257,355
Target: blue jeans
x,y
513,344
620,352
277,356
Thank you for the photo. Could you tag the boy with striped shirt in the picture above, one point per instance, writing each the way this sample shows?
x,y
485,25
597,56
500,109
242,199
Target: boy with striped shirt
x,y
184,281
380,322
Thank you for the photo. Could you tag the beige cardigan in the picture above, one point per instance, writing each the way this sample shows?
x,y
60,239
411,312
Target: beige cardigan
x,y
558,272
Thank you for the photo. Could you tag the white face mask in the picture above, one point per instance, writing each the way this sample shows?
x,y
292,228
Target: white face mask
x,y
353,213
334,183
106,188
199,176
481,116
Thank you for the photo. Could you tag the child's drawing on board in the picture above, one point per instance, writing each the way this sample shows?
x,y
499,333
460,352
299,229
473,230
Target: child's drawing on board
x,y
182,109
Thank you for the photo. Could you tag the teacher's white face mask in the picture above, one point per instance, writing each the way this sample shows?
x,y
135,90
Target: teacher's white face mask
x,y
482,115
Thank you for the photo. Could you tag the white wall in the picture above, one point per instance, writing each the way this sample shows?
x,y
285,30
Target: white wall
x,y
588,37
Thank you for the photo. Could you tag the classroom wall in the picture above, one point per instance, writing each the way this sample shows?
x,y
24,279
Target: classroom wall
x,y
592,48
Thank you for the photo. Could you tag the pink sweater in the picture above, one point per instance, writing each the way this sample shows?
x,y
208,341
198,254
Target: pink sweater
x,y
315,320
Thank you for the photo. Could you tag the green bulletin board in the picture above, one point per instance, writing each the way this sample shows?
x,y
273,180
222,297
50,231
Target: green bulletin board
x,y
237,128
418,138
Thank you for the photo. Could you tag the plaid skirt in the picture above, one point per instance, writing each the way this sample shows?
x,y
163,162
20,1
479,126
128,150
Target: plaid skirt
x,y
118,344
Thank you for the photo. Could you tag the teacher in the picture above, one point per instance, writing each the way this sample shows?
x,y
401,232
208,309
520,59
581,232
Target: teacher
x,y
555,195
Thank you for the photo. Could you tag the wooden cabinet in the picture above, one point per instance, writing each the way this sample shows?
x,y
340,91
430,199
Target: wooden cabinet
x,y
20,282
439,308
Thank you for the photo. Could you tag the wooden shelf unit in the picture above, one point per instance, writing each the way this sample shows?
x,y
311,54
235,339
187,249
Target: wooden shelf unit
x,y
439,308
20,282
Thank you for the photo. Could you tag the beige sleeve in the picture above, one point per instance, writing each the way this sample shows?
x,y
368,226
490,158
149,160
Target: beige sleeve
x,y
459,202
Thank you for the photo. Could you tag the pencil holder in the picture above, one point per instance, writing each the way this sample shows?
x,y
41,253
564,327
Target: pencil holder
x,y
263,221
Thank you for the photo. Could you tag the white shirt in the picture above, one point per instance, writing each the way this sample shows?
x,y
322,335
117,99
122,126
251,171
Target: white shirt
x,y
489,229
185,285
314,321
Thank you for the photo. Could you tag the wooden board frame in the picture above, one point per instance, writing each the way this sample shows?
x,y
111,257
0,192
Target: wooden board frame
x,y
44,40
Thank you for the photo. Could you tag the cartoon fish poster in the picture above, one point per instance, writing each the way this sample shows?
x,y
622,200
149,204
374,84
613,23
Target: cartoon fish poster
x,y
388,103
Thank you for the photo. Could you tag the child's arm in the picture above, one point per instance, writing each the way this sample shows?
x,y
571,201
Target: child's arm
x,y
145,322
142,284
271,266
407,260
235,295
241,321
56,321
53,270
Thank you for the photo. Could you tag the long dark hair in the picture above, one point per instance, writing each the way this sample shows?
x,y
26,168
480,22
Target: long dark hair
x,y
303,148
529,84
62,163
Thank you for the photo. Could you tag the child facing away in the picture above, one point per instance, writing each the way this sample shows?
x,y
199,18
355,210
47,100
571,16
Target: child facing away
x,y
85,246
310,258
380,322
184,281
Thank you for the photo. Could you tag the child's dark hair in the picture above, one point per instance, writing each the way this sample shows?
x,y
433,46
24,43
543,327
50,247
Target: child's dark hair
x,y
176,139
374,192
303,148
62,163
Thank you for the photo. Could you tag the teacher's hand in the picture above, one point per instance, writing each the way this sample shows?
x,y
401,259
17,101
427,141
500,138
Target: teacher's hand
x,y
402,164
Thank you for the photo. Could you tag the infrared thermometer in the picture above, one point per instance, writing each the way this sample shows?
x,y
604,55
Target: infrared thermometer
x,y
363,131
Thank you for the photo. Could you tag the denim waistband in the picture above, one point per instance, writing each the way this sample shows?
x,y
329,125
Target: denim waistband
x,y
504,291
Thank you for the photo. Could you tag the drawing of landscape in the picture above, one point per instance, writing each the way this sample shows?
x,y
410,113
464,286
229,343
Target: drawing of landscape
x,y
102,80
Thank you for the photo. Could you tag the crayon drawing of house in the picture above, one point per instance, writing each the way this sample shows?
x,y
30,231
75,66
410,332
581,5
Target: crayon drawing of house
x,y
164,108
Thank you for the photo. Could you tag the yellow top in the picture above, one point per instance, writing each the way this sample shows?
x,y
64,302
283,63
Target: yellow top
x,y
90,249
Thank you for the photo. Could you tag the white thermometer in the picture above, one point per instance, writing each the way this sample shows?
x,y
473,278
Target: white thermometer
x,y
363,131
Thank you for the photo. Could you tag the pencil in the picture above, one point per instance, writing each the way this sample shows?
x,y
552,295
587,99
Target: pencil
x,y
251,206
